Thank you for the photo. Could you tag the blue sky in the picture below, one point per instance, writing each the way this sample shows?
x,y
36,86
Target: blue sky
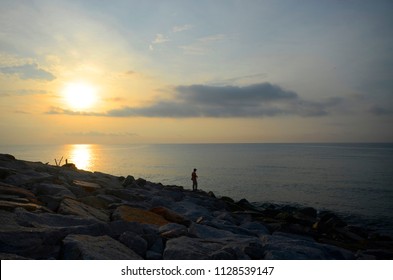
x,y
198,71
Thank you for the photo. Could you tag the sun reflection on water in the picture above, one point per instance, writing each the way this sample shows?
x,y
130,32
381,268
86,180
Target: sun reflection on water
x,y
81,156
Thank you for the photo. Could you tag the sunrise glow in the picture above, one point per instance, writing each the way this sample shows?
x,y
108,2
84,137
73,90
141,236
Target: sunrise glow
x,y
80,95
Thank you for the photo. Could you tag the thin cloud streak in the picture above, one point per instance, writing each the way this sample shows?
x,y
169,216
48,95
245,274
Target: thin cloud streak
x,y
28,71
181,28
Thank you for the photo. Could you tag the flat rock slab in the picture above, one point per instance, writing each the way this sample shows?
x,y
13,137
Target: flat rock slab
x,y
292,247
170,215
47,220
229,248
6,189
54,190
186,248
130,214
73,207
11,205
85,247
36,243
87,186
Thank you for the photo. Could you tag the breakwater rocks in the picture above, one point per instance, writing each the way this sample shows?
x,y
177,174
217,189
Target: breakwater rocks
x,y
51,212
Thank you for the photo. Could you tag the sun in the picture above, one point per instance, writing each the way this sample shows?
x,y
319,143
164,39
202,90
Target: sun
x,y
80,95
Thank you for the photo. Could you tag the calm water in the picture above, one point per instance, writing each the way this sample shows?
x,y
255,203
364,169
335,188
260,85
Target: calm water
x,y
354,180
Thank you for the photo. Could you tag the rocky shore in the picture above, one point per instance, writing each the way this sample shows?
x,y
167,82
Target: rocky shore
x,y
53,212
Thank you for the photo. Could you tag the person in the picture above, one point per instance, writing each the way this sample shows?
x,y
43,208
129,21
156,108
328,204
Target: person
x,y
194,177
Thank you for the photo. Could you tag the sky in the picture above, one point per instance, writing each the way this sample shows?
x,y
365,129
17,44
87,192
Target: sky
x,y
124,71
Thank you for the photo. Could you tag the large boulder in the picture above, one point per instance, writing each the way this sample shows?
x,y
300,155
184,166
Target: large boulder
x,y
73,207
230,248
135,242
85,247
186,248
7,191
283,246
173,230
11,205
257,228
118,227
131,214
207,232
34,243
89,187
125,194
170,215
53,190
95,202
67,223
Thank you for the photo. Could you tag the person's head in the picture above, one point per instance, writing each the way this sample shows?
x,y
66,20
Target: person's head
x,y
195,169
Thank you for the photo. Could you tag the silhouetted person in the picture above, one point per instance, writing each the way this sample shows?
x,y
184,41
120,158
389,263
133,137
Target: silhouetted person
x,y
194,177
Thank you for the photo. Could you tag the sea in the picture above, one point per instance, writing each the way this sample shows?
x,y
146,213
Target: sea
x,y
354,180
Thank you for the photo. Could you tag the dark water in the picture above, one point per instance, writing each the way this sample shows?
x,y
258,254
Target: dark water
x,y
354,180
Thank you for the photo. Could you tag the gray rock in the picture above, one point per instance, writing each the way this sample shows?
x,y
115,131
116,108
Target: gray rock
x,y
126,194
21,219
255,227
85,247
134,242
141,182
53,190
174,194
225,216
158,246
68,223
186,248
287,247
23,177
157,201
230,228
73,207
207,232
4,256
8,220
118,227
109,198
190,210
34,243
128,181
152,255
170,227
10,190
11,205
174,231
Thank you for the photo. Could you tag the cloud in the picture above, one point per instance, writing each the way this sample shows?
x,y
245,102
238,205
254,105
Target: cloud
x,y
160,39
28,71
198,101
212,38
61,111
201,46
233,80
21,92
381,110
257,100
181,28
101,134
